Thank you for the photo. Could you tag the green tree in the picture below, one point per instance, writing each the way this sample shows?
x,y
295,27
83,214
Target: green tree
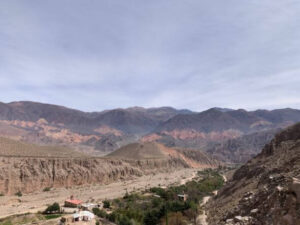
x,y
124,220
106,204
54,208
151,218
100,213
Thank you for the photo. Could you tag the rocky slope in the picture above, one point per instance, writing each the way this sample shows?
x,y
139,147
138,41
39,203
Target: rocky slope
x,y
266,190
243,148
153,151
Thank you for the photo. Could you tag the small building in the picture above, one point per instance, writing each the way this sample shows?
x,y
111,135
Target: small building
x,y
183,197
89,206
83,216
73,203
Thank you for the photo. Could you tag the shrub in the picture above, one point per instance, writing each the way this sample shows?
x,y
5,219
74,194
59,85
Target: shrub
x,y
63,220
54,208
52,216
124,220
106,204
112,217
151,218
46,189
100,213
19,194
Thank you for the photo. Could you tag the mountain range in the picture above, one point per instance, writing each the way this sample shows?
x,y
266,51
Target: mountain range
x,y
230,135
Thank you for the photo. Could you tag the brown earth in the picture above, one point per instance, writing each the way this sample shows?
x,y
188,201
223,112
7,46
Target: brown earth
x,y
38,201
28,168
266,190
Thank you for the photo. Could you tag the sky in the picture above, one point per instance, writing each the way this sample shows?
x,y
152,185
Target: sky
x,y
197,54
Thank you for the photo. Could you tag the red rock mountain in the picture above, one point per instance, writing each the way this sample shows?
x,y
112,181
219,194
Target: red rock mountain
x,y
231,135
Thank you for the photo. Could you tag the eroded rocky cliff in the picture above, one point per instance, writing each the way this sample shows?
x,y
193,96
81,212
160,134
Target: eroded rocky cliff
x,y
27,174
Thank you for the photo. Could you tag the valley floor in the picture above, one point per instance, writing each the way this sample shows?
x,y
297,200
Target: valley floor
x,y
11,205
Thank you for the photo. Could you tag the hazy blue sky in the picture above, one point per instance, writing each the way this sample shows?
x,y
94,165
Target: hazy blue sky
x,y
100,54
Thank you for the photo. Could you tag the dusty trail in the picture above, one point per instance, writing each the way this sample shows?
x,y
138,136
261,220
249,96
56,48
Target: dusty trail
x,y
184,181
225,178
202,218
11,205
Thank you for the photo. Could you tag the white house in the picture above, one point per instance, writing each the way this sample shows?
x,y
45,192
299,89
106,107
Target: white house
x,y
83,216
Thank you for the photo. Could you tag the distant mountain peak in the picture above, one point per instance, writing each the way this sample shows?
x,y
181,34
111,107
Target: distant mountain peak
x,y
222,109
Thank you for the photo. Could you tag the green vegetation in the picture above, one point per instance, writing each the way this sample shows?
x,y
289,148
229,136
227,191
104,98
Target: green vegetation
x,y
100,213
106,204
46,189
163,206
52,216
52,209
19,194
52,212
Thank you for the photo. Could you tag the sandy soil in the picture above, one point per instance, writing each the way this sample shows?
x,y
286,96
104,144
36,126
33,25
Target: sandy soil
x,y
201,219
11,205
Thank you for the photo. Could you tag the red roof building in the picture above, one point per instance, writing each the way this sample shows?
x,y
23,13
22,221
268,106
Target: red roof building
x,y
73,203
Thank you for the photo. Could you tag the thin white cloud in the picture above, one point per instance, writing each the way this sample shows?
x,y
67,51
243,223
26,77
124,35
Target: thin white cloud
x,y
188,54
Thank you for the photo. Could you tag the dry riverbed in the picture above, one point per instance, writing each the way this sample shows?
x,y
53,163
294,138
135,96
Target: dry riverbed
x,y
12,205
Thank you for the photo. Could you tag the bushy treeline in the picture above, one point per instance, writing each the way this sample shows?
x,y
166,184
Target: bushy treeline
x,y
163,206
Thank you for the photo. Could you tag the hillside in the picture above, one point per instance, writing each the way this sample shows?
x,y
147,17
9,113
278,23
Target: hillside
x,y
139,151
231,135
220,120
154,151
266,190
243,148
14,148
100,131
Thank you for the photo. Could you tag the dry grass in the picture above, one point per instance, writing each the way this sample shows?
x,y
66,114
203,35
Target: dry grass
x,y
10,147
139,151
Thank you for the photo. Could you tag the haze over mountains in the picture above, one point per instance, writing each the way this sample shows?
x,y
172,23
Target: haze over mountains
x,y
229,135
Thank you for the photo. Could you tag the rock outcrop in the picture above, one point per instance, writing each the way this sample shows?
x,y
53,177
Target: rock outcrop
x,y
266,190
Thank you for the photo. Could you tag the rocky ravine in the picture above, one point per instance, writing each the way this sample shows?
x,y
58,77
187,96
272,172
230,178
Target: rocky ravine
x,y
266,190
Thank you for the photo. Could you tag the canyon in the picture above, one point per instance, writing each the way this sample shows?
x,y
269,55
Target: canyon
x,y
28,168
